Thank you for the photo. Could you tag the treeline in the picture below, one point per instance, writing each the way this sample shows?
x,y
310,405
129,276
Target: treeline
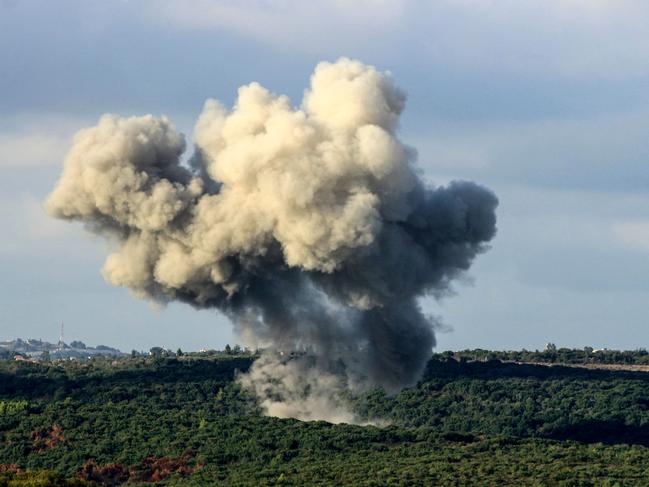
x,y
554,355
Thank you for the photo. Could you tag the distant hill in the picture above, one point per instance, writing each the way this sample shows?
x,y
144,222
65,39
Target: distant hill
x,y
38,349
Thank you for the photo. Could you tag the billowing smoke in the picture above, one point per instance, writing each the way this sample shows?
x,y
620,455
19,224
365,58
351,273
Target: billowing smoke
x,y
310,228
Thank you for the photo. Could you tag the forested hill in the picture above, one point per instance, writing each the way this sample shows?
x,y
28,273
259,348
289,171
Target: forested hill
x,y
474,418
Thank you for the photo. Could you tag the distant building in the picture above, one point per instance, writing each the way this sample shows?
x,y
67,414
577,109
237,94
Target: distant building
x,y
22,358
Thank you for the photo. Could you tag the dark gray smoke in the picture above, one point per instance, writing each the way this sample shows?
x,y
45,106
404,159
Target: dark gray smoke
x,y
309,228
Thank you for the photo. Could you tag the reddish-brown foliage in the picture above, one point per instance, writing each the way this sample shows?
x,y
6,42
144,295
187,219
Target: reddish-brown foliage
x,y
9,468
154,469
151,469
46,438
111,474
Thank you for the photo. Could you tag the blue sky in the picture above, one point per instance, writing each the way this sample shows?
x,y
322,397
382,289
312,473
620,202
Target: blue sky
x,y
546,102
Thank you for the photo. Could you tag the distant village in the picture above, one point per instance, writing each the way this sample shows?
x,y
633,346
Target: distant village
x,y
34,350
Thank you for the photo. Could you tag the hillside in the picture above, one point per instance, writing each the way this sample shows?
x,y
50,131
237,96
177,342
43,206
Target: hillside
x,y
183,421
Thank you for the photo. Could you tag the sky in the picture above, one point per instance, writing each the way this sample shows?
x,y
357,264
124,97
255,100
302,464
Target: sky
x,y
545,102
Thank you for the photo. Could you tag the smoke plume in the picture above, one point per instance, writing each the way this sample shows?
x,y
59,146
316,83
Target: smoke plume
x,y
309,227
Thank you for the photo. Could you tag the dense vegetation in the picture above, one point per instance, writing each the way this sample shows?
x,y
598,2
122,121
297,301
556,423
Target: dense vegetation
x,y
183,421
554,355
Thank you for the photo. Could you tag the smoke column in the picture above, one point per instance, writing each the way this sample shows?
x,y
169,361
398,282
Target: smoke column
x,y
308,227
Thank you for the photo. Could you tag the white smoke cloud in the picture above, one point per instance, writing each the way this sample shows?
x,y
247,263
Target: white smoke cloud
x,y
309,227
293,387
